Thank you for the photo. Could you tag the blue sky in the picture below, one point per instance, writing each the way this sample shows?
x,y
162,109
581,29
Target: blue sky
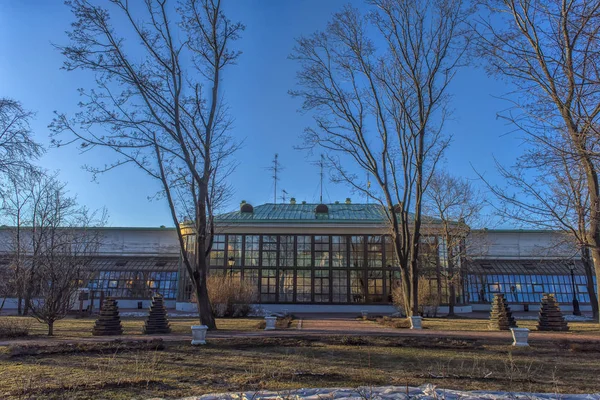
x,y
266,117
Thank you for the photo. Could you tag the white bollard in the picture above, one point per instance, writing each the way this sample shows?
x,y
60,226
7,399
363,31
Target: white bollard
x,y
416,322
270,323
520,336
199,334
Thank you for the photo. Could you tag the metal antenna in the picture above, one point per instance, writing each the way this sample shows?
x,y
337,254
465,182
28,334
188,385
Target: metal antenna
x,y
322,164
284,194
275,168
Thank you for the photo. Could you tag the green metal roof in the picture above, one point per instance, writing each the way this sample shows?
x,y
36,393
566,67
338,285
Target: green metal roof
x,y
305,213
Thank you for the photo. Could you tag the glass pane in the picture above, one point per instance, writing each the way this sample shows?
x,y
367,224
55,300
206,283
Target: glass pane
x,y
304,251
303,286
339,251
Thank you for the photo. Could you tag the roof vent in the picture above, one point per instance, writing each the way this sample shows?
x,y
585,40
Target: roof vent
x,y
322,209
304,202
121,263
486,266
337,202
293,200
246,208
348,201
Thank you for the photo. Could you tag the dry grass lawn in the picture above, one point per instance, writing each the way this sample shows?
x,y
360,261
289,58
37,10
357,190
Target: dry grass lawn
x,y
248,364
71,328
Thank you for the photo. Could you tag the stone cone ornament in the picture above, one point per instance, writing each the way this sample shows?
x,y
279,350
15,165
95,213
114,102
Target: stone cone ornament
x,y
109,321
157,321
550,317
500,316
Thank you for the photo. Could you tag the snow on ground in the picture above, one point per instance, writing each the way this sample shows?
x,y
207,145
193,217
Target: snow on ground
x,y
427,391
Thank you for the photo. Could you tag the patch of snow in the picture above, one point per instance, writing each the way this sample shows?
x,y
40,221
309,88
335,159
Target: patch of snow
x,y
424,392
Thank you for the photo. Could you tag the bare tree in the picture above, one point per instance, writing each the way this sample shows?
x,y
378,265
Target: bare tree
x,y
382,110
457,205
548,50
16,198
546,189
159,106
64,241
17,147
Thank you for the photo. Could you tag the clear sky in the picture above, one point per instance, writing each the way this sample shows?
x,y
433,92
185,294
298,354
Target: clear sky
x,y
266,117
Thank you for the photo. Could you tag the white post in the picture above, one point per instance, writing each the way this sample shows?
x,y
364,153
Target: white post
x,y
416,322
520,336
199,334
270,323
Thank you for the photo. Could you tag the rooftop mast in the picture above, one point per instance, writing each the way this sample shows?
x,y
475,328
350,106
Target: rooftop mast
x,y
275,168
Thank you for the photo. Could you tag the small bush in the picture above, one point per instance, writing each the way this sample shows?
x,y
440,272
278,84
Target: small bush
x,y
429,301
11,328
230,297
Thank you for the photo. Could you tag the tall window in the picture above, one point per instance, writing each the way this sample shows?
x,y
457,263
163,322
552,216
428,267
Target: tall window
x,y
374,252
339,282
357,287
268,286
375,286
322,251
303,286
286,251
339,251
269,251
304,251
443,252
251,254
217,254
357,255
321,286
286,285
251,278
390,254
234,249
393,282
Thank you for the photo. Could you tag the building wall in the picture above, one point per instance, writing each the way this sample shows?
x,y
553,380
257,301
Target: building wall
x,y
516,244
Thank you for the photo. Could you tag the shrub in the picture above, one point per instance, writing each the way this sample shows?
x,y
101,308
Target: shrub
x,y
429,301
230,297
14,327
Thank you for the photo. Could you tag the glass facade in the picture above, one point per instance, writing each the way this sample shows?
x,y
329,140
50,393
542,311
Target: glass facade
x,y
312,268
526,281
135,277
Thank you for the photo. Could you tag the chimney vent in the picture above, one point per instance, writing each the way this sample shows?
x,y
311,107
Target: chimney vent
x,y
246,208
322,209
293,200
348,201
303,201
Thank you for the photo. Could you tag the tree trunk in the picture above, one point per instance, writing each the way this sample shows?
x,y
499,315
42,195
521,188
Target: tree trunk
x,y
451,290
594,298
589,277
202,300
50,328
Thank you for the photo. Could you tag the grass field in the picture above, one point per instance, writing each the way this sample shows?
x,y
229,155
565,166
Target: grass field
x,y
77,328
245,364
177,369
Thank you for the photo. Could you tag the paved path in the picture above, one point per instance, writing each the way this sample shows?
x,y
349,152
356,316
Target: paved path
x,y
323,327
